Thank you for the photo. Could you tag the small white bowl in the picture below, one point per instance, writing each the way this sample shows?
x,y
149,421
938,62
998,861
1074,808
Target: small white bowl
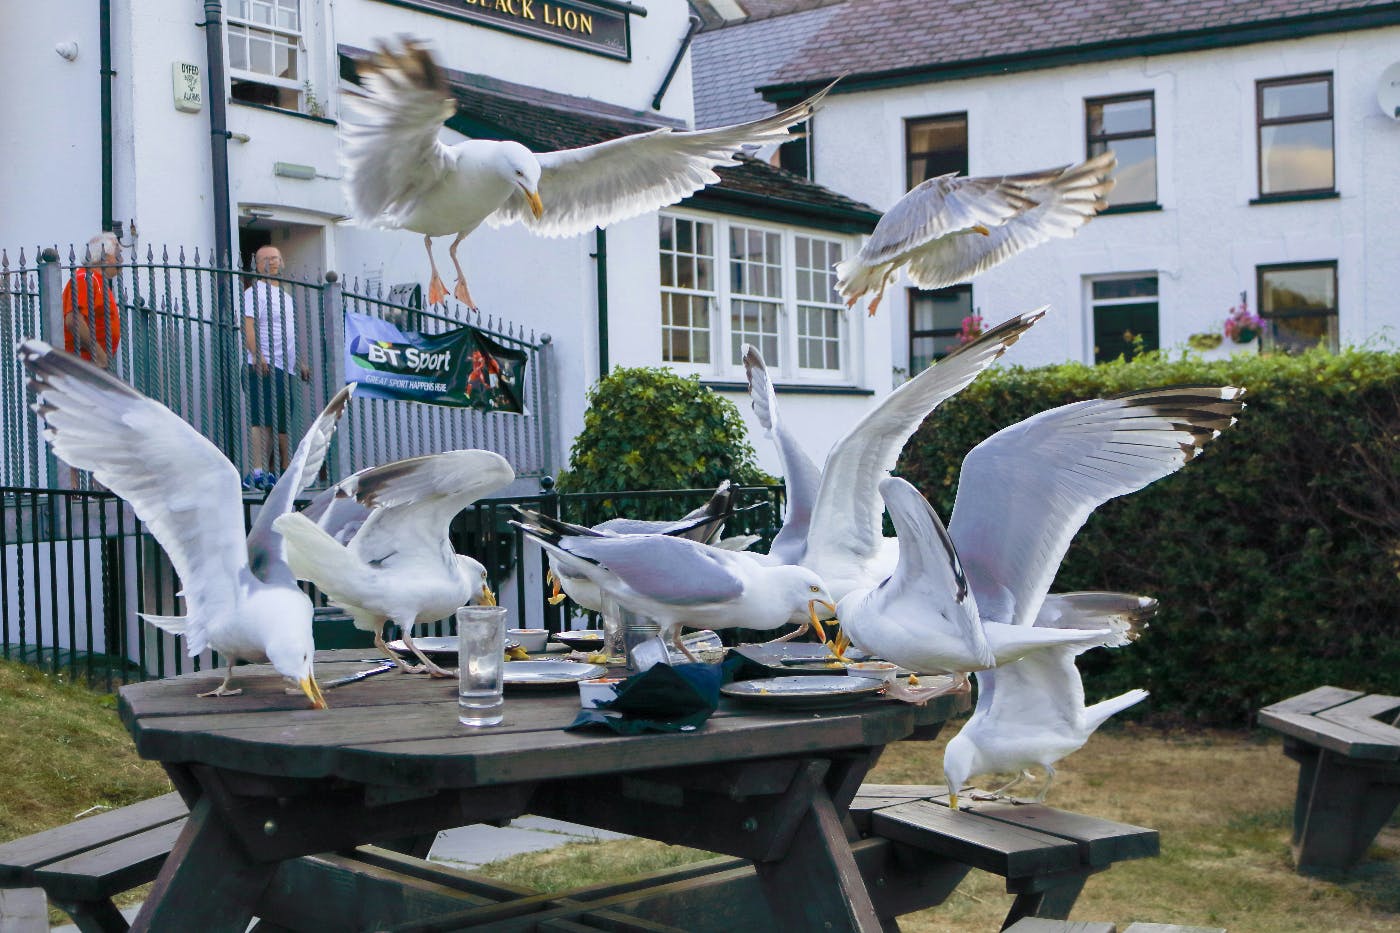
x,y
882,671
532,640
598,690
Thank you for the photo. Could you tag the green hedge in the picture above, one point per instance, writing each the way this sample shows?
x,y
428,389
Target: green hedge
x,y
1276,554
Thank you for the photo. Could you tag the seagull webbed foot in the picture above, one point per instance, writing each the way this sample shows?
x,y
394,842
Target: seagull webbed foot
x,y
223,691
437,291
462,294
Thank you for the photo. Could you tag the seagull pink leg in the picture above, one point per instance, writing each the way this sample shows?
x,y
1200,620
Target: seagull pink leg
x,y
437,292
461,292
428,665
222,689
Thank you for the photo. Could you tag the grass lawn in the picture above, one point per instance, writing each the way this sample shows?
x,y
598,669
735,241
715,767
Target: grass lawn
x,y
1221,800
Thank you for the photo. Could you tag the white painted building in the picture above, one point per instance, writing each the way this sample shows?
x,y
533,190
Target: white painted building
x,y
596,69
1255,158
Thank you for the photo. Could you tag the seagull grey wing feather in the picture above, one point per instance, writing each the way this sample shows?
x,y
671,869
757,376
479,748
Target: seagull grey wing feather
x,y
413,501
336,513
801,477
666,569
943,205
1025,491
391,154
176,481
846,516
267,555
593,186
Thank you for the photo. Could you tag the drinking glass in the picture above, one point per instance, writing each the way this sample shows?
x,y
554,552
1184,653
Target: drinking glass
x,y
614,644
481,648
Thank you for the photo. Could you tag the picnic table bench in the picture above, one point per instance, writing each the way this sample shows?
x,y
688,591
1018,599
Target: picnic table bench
x,y
1348,751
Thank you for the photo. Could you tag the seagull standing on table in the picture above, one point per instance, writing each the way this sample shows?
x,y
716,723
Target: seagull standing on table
x,y
400,565
1023,494
948,229
399,175
241,599
677,582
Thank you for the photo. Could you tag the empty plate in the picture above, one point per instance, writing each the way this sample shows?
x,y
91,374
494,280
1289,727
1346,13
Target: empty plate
x,y
805,691
437,647
550,673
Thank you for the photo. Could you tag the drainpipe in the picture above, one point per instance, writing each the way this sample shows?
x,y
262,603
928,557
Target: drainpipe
x,y
695,24
600,253
104,29
218,129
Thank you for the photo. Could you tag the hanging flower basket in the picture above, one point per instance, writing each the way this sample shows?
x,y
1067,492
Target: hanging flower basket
x,y
1245,335
1241,324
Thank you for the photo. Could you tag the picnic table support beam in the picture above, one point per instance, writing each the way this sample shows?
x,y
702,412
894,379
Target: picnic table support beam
x,y
1341,805
94,916
1046,897
209,883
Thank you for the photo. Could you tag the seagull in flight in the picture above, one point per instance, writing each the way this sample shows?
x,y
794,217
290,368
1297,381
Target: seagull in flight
x,y
240,596
948,229
399,175
399,565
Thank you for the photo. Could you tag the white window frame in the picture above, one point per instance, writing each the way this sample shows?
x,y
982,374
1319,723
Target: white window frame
x,y
722,367
298,43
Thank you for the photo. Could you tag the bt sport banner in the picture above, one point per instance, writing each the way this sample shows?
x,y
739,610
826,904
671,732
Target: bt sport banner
x,y
463,368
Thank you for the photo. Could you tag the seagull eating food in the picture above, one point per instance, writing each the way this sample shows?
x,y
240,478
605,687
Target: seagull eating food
x,y
400,565
677,582
241,599
399,175
948,229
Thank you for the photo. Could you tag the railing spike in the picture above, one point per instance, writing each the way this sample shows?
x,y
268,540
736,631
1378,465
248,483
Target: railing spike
x,y
150,254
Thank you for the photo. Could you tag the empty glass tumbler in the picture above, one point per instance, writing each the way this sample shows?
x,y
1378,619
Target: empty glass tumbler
x,y
481,648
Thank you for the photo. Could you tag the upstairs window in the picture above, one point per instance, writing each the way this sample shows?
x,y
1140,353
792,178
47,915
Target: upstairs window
x,y
688,290
1295,136
935,146
1299,305
265,58
820,312
1126,124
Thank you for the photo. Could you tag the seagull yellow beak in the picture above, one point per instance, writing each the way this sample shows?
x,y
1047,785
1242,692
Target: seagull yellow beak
x,y
488,598
978,228
812,605
313,692
952,799
536,205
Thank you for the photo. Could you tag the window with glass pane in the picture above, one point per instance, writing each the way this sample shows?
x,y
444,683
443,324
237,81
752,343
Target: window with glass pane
x,y
1299,305
935,146
820,312
1295,135
756,291
935,318
687,253
264,52
1124,309
1128,126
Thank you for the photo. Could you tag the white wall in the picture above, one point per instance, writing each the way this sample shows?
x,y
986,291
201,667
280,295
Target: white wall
x,y
1207,240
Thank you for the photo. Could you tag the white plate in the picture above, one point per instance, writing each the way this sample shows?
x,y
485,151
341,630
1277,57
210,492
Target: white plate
x,y
436,646
804,691
550,673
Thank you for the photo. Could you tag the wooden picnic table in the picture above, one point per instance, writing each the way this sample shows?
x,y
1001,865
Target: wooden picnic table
x,y
269,780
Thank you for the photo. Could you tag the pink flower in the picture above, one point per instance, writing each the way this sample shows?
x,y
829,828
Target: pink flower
x,y
1241,324
971,328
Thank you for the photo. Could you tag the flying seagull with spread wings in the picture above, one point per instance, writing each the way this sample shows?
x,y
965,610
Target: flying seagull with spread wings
x,y
948,229
399,175
241,599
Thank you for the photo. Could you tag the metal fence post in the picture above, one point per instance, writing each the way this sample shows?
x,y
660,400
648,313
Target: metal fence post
x,y
51,321
333,322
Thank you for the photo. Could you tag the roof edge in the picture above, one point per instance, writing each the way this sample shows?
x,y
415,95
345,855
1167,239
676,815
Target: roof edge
x,y
1298,27
722,200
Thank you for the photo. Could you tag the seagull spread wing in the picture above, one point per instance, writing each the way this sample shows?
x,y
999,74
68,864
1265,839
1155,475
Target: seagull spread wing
x,y
413,501
267,554
666,569
392,156
1025,491
597,185
846,516
801,477
949,204
177,482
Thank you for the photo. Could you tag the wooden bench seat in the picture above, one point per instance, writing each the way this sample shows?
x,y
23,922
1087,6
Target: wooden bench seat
x,y
1045,855
1348,751
83,864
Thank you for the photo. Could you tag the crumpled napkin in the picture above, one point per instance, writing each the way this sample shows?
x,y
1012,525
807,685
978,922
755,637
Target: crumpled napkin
x,y
664,698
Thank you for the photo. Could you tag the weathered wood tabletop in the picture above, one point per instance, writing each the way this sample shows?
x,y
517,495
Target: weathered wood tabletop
x,y
268,779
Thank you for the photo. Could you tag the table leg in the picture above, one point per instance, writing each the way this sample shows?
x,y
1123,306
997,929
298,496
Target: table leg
x,y
817,885
208,883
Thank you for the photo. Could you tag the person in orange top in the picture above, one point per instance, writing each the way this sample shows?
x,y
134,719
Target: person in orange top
x,y
94,337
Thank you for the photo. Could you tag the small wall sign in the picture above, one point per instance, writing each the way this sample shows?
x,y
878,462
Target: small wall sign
x,y
598,26
187,87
